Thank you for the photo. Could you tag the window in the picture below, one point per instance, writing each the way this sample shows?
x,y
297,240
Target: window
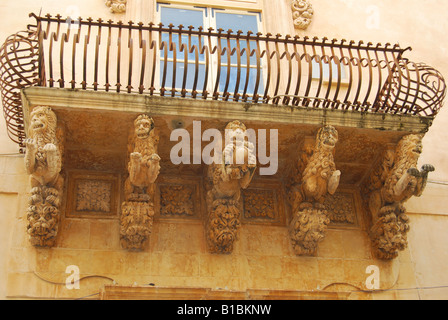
x,y
228,71
326,71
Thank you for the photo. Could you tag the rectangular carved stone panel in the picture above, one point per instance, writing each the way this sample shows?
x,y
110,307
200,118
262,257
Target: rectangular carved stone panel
x,y
177,200
263,203
92,195
342,208
178,197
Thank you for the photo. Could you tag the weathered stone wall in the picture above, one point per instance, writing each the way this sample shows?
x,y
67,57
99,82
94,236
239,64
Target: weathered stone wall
x,y
177,255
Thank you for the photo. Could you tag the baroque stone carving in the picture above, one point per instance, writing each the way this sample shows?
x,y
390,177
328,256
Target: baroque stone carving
x,y
143,167
176,200
43,162
395,181
307,196
226,179
116,6
259,204
302,13
94,195
340,208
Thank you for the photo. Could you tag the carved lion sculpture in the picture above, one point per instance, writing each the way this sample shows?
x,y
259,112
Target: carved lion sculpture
x,y
319,178
320,175
233,172
43,162
396,182
138,207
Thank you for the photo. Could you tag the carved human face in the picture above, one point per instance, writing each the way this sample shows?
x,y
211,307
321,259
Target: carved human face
x,y
143,127
328,137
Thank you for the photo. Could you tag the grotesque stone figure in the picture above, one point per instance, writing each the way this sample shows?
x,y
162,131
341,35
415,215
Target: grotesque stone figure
x,y
319,178
395,182
43,162
143,168
230,173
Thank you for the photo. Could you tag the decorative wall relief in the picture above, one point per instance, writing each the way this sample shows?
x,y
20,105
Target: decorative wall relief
x,y
318,179
302,13
92,194
226,178
262,203
259,204
394,182
177,200
43,162
341,208
143,167
116,6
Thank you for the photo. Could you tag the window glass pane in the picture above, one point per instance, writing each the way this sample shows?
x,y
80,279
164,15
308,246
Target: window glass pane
x,y
326,70
236,22
183,17
180,70
245,23
234,77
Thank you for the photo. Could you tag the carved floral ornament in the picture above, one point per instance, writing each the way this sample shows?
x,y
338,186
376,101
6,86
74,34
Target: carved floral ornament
x,y
302,13
116,6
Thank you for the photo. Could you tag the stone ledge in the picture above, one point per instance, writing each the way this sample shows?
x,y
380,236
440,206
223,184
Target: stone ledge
x,y
180,293
211,109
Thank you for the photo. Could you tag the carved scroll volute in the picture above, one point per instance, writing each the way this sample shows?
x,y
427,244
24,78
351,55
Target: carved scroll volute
x,y
302,13
43,163
395,181
116,6
231,171
318,179
137,211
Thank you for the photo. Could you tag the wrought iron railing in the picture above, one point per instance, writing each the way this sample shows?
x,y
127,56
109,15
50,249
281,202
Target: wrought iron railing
x,y
213,64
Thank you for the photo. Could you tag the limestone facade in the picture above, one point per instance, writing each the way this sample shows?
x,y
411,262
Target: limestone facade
x,y
116,207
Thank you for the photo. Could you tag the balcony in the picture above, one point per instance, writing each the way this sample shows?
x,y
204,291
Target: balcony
x,y
220,65
98,76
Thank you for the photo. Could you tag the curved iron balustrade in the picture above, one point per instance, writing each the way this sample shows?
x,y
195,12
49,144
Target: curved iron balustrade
x,y
194,63
18,69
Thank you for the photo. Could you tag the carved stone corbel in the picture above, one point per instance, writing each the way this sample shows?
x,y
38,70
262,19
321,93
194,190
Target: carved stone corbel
x,y
394,182
116,6
319,177
43,162
226,177
137,211
302,13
